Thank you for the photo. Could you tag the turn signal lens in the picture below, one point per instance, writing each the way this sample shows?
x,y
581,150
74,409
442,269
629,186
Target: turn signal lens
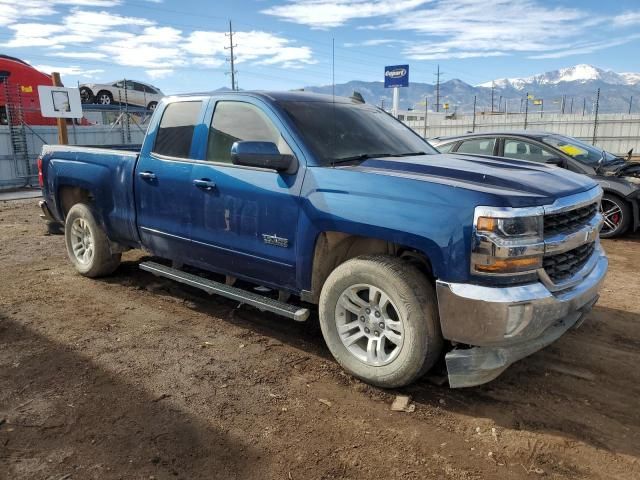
x,y
511,265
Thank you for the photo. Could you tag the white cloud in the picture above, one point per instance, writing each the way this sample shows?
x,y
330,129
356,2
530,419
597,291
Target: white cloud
x,y
375,42
140,42
586,48
73,70
156,73
333,13
627,19
12,11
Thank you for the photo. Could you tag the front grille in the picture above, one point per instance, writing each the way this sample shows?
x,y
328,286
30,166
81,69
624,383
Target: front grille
x,y
567,222
563,266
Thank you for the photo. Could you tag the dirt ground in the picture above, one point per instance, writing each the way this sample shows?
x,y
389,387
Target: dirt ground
x,y
133,377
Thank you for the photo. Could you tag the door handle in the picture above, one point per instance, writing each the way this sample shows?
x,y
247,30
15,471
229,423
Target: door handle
x,y
147,175
204,184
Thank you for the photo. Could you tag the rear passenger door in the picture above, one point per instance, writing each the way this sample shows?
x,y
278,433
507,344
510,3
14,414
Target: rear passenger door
x,y
163,180
245,218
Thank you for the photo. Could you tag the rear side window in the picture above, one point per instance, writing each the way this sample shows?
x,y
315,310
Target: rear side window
x,y
238,121
175,133
477,146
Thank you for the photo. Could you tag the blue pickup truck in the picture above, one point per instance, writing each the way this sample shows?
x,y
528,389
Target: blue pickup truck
x,y
329,203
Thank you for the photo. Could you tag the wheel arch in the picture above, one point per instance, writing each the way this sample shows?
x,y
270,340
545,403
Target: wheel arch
x,y
332,248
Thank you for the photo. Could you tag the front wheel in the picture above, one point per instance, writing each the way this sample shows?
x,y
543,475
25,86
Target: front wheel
x,y
617,216
87,243
379,318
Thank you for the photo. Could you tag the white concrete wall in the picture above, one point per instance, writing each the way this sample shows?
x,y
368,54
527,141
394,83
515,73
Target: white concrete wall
x,y
15,173
616,133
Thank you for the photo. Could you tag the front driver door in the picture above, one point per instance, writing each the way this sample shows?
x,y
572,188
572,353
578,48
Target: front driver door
x,y
245,219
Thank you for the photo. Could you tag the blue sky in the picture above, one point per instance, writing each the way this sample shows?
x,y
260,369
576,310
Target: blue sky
x,y
178,45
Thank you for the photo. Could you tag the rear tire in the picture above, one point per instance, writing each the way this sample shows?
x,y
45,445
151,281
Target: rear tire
x,y
87,243
409,321
152,106
86,95
104,97
617,215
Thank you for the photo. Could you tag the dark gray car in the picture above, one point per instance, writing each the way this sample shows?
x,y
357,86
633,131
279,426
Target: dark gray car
x,y
619,178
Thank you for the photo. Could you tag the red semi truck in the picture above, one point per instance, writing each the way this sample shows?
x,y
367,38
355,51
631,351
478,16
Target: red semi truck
x,y
19,88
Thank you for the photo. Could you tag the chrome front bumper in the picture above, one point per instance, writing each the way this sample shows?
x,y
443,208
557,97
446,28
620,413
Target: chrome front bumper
x,y
503,325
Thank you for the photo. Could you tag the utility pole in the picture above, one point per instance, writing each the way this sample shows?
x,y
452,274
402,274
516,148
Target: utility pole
x,y
571,108
473,128
564,99
595,120
425,116
232,58
438,89
493,90
584,106
500,104
526,110
630,104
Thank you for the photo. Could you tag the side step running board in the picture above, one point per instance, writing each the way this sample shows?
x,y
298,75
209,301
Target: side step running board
x,y
298,314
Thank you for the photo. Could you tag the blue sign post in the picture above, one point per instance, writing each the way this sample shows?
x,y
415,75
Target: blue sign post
x,y
396,76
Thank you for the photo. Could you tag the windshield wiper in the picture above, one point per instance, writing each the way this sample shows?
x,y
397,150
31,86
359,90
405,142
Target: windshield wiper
x,y
367,156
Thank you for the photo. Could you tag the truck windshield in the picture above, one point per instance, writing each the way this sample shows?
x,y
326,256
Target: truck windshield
x,y
345,131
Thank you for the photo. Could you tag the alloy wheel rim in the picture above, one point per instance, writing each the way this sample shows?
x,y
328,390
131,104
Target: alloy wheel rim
x,y
105,100
369,325
82,243
612,215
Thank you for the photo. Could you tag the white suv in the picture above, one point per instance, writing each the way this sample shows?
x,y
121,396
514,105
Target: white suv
x,y
122,91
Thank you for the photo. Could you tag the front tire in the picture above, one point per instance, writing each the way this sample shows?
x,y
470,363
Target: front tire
x,y
152,106
379,318
87,243
617,216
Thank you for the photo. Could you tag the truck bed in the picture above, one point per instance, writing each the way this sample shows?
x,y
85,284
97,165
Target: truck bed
x,y
106,172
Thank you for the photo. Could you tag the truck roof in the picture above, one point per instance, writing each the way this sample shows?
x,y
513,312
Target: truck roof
x,y
279,96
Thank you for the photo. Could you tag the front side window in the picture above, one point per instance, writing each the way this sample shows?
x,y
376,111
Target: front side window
x,y
521,150
477,146
176,128
236,122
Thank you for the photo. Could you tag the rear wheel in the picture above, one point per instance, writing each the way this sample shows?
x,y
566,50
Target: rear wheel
x,y
87,243
379,318
152,106
86,95
617,216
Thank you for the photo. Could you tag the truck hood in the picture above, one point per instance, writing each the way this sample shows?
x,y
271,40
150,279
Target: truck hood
x,y
520,182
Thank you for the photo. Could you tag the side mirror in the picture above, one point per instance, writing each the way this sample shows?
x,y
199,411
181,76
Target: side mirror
x,y
260,154
557,161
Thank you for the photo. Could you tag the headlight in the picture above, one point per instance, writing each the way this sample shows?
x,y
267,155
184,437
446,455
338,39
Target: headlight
x,y
507,242
515,227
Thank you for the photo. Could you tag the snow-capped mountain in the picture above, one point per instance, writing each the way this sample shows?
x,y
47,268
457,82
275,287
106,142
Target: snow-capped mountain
x,y
579,73
574,87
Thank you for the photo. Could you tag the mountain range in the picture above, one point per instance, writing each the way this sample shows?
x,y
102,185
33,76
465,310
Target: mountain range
x,y
575,86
